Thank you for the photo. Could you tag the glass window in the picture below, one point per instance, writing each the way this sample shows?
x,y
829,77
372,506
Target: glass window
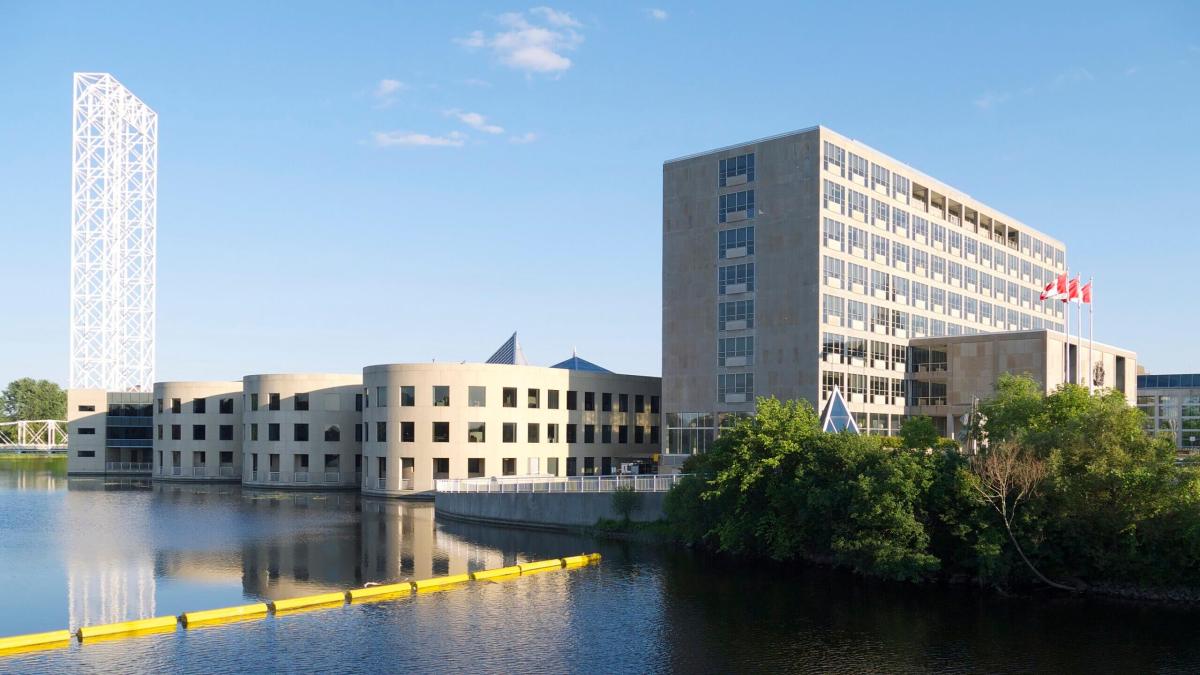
x,y
508,397
606,402
408,396
381,397
441,432
735,274
476,432
572,400
441,395
476,397
834,156
858,166
198,406
532,433
272,401
510,432
736,347
552,399
197,432
835,196
381,432
742,165
408,432
740,238
735,202
534,398
738,310
834,234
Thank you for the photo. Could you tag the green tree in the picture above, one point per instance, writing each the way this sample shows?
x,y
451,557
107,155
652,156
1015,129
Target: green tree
x,y
29,399
918,433
625,500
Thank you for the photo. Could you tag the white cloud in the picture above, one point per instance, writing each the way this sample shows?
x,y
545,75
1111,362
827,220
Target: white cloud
x,y
527,137
386,91
1073,75
385,139
475,121
990,99
555,17
532,47
657,14
476,82
1131,71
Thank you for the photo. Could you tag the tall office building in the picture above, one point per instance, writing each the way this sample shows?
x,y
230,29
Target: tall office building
x,y
808,261
114,182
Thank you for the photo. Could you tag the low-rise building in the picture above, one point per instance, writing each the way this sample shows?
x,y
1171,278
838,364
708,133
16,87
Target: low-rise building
x,y
302,430
109,432
198,431
948,375
1172,405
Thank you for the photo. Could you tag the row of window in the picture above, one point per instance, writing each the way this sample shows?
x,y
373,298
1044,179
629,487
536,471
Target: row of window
x,y
510,398
735,205
199,432
738,240
200,406
476,432
901,189
735,387
849,313
859,243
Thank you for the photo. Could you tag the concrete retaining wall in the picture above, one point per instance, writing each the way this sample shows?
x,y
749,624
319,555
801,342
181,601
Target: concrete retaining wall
x,y
551,510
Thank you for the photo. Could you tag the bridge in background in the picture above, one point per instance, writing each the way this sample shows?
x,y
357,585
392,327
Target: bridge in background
x,y
33,436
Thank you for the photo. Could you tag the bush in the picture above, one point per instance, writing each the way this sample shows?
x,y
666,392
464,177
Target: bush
x,y
625,501
1113,505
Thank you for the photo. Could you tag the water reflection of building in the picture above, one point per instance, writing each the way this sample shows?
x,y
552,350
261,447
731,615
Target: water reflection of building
x,y
110,570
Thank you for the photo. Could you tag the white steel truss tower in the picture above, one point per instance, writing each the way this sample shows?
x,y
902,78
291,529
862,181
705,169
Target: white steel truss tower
x,y
114,185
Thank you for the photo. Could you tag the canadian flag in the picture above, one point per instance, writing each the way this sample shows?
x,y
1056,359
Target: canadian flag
x,y
1073,291
1056,288
1085,293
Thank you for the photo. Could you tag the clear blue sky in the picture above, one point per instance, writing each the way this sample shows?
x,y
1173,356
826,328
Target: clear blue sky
x,y
342,185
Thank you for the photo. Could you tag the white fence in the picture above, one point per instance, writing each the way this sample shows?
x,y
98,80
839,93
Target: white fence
x,y
556,484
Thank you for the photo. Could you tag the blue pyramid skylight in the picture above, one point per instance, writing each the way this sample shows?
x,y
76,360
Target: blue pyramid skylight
x,y
836,417
576,363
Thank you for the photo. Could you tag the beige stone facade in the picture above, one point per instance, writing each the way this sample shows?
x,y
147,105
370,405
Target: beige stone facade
x,y
807,261
300,430
951,373
108,432
198,431
424,422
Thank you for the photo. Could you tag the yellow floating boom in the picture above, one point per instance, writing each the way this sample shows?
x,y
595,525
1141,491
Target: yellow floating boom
x,y
240,612
157,623
47,639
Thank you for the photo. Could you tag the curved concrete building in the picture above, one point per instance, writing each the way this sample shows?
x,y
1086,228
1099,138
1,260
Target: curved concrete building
x,y
301,430
197,431
423,422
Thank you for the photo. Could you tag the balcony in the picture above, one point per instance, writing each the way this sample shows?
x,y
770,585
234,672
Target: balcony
x,y
273,477
227,471
300,477
199,472
128,467
177,471
333,476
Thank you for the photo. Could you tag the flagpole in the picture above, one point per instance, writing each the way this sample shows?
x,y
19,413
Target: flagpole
x,y
1091,332
1079,334
1067,330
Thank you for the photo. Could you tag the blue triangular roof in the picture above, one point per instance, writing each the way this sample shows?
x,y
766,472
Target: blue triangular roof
x,y
509,353
576,363
836,417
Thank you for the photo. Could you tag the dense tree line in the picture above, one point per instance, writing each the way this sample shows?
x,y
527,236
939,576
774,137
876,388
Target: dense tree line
x,y
30,399
1067,489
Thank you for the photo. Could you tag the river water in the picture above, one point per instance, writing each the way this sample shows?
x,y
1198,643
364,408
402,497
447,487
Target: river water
x,y
84,551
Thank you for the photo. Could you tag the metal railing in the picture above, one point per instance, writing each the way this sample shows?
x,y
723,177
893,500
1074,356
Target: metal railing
x,y
129,466
227,472
406,483
931,400
333,476
177,471
556,484
253,475
273,476
933,367
300,477
383,483
44,435
199,471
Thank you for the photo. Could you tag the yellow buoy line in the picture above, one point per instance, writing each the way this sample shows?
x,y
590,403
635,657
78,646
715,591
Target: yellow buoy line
x,y
260,610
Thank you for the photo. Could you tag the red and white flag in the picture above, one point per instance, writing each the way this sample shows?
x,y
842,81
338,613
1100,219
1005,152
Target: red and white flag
x,y
1072,291
1056,288
1085,293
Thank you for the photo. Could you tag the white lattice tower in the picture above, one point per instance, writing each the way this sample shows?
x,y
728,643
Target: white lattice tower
x,y
114,184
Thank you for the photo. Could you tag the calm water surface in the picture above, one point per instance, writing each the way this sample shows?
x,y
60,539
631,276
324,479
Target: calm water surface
x,y
84,551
